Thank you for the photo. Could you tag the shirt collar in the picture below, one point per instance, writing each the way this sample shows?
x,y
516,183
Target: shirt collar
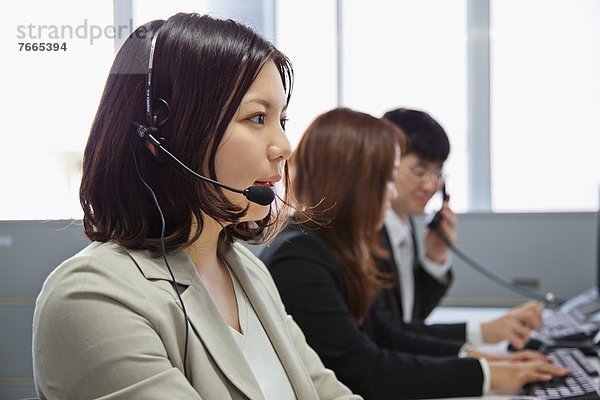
x,y
398,230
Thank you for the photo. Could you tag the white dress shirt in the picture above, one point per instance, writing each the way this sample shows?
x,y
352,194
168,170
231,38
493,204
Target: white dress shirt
x,y
400,235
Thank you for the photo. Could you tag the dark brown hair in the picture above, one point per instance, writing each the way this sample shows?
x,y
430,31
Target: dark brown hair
x,y
202,69
342,166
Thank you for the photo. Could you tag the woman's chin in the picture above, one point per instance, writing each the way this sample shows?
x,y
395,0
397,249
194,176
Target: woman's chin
x,y
256,213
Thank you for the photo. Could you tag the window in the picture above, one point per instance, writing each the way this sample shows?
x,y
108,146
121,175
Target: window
x,y
403,54
545,89
545,58
49,102
312,48
50,97
148,10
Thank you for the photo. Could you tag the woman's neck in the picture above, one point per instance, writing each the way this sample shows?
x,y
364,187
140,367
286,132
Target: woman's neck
x,y
213,272
203,252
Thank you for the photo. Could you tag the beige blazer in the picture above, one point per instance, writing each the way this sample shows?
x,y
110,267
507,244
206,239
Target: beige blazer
x,y
108,325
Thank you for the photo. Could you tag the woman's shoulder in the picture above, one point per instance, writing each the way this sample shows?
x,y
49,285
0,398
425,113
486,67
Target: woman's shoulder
x,y
296,239
95,258
101,269
299,245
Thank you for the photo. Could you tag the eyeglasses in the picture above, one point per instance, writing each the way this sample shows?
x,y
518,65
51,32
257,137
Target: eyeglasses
x,y
424,176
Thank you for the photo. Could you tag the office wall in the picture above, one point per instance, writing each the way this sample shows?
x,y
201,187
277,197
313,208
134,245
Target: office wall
x,y
551,252
29,251
556,250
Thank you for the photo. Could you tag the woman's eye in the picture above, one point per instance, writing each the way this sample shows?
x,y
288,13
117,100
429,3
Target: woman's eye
x,y
258,118
283,123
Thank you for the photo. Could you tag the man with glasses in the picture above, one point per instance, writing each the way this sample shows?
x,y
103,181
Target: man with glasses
x,y
422,278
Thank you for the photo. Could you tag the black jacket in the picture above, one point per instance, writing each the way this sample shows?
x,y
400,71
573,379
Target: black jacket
x,y
428,293
378,359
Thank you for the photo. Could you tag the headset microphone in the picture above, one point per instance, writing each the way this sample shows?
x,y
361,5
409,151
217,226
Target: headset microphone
x,y
262,195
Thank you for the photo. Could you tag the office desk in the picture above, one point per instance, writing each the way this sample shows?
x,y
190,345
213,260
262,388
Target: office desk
x,y
448,314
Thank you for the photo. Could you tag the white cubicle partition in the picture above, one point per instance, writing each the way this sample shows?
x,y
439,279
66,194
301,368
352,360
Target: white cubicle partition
x,y
550,252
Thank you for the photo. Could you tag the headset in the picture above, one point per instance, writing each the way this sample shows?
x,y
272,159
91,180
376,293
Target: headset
x,y
261,195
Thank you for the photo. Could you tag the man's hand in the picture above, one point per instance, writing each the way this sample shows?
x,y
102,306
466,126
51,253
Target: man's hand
x,y
436,249
514,326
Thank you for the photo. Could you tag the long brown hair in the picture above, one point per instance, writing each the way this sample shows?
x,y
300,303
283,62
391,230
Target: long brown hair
x,y
202,68
341,168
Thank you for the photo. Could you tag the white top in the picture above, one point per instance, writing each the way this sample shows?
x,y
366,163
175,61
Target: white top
x,y
258,350
402,249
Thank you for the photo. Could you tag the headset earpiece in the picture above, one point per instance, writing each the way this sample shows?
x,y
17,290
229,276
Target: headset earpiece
x,y
162,112
147,132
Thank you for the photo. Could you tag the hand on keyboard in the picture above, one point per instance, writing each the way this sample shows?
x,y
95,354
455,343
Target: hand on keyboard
x,y
523,355
581,384
509,376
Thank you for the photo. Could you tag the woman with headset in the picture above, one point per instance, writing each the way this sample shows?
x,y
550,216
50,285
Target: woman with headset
x,y
182,160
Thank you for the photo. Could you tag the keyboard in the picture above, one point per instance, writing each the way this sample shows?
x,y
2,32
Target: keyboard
x,y
567,325
581,384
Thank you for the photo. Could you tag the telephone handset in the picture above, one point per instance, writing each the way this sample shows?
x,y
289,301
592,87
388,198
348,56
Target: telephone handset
x,y
547,298
437,218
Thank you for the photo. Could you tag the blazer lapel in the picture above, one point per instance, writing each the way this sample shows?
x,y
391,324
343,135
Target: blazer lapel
x,y
273,325
205,319
209,325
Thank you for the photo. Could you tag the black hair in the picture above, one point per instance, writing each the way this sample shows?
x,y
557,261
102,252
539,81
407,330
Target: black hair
x,y
425,137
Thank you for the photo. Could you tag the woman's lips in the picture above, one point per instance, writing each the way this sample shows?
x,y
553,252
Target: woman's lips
x,y
258,183
269,182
